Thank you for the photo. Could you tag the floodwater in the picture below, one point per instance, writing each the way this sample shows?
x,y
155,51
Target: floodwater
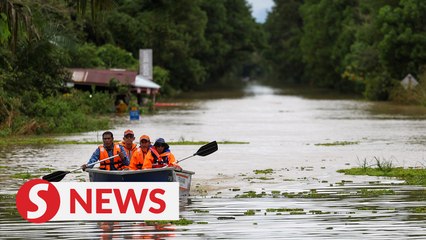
x,y
303,198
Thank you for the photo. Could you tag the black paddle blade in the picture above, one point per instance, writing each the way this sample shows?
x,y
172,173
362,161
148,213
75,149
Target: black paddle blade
x,y
207,149
55,176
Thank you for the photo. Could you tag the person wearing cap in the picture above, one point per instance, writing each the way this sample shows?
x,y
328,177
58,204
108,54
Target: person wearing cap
x,y
136,162
160,156
127,143
109,149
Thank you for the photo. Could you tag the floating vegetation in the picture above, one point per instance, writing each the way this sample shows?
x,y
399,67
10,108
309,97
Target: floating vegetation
x,y
24,176
337,143
418,209
311,194
411,176
250,212
284,210
202,223
265,171
318,212
7,196
314,194
200,211
297,213
265,178
251,194
180,222
375,192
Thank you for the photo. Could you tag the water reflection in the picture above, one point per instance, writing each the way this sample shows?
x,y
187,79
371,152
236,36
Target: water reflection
x,y
139,230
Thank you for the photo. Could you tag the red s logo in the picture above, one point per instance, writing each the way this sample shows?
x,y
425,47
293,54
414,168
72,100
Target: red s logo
x,y
38,201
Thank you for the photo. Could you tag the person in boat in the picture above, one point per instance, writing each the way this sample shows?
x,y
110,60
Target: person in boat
x,y
136,162
108,149
160,156
127,143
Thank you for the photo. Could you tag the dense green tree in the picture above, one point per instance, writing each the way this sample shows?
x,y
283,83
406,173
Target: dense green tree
x,y
232,39
284,28
403,47
328,35
115,57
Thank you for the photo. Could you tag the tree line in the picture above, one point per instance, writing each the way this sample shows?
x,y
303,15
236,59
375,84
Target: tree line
x,y
359,46
195,43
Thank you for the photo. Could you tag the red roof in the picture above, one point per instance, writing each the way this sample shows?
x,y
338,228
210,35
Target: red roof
x,y
102,77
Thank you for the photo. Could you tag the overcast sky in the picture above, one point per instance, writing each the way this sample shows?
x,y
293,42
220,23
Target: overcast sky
x,y
260,9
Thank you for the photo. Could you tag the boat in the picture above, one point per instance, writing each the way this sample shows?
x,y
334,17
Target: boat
x,y
168,174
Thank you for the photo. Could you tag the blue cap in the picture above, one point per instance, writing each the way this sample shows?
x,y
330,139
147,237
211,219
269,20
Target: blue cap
x,y
161,142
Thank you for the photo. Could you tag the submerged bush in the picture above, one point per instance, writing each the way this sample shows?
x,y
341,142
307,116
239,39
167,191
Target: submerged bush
x,y
62,113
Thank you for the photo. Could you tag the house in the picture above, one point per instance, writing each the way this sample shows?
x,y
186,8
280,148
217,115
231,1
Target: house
x,y
85,78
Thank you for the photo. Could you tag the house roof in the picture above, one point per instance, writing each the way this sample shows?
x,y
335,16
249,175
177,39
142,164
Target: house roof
x,y
145,83
102,77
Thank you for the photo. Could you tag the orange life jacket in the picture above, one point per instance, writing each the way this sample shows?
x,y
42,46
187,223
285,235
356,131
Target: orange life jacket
x,y
137,159
117,162
160,160
129,151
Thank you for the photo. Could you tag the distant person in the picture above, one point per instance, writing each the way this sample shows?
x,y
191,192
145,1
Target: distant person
x,y
136,162
160,156
121,107
127,143
108,149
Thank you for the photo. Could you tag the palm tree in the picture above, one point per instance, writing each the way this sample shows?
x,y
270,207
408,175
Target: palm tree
x,y
15,18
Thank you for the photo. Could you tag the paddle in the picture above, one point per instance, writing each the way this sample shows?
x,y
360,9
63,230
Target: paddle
x,y
59,175
204,150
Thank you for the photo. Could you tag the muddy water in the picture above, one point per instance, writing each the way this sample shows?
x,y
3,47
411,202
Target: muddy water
x,y
303,198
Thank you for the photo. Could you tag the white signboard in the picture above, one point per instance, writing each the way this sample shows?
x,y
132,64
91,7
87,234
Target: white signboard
x,y
409,82
145,63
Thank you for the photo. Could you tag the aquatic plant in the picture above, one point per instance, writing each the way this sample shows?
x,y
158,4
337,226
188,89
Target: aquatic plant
x,y
265,171
250,212
411,176
375,192
336,143
384,165
200,211
181,222
318,212
24,176
251,194
284,210
418,209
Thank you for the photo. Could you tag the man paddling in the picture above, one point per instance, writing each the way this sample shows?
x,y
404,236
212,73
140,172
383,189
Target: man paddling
x,y
108,149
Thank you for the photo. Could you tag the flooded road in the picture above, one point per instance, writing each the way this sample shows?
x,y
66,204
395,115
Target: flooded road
x,y
304,140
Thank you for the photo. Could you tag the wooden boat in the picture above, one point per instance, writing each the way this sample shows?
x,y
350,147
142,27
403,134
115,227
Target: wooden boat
x,y
168,174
